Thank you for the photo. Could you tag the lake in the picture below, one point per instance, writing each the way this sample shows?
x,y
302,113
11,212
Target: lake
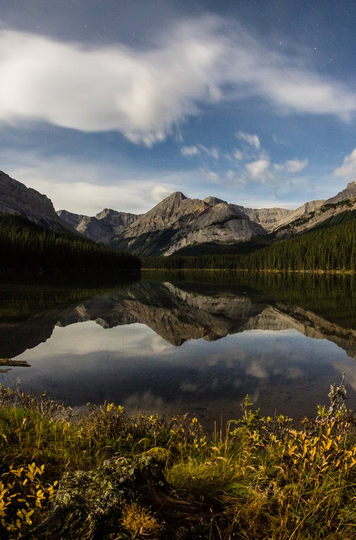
x,y
177,343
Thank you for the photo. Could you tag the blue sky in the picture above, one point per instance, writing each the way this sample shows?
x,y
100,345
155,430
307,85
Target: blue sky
x,y
117,104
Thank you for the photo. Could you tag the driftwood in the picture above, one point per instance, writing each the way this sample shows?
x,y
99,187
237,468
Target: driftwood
x,y
11,362
88,505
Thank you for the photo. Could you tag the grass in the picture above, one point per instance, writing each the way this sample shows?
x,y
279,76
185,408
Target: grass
x,y
263,478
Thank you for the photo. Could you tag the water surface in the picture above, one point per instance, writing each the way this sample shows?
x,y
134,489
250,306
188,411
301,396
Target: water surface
x,y
174,344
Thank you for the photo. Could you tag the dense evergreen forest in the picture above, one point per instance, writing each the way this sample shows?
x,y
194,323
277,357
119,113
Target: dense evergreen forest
x,y
26,246
330,248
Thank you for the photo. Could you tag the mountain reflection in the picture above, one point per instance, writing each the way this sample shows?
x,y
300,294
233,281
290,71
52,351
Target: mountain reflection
x,y
195,344
179,312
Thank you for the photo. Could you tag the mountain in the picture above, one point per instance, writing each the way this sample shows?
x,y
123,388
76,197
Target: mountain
x,y
273,219
320,213
178,221
100,228
17,199
179,224
192,226
269,218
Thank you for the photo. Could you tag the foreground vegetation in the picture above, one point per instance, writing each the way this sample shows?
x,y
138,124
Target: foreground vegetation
x,y
30,247
330,248
108,475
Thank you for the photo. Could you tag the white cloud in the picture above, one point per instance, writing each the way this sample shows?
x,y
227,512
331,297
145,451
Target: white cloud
x,y
296,165
213,177
258,168
238,155
160,192
211,152
145,93
292,165
252,140
199,149
348,168
88,188
190,151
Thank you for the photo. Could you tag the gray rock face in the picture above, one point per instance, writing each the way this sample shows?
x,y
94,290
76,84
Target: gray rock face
x,y
172,212
269,218
305,211
101,228
346,194
272,219
314,213
17,199
178,222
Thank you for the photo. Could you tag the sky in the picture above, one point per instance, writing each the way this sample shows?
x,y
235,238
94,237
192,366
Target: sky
x,y
119,103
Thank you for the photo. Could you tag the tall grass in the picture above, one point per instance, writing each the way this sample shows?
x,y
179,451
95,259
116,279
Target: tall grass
x,y
262,478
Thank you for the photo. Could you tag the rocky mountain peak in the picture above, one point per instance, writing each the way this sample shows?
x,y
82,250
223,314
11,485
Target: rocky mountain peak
x,y
17,199
174,200
70,218
348,193
102,227
169,213
105,213
212,201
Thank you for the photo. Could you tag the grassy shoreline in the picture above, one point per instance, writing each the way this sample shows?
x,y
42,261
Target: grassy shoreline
x,y
146,476
253,270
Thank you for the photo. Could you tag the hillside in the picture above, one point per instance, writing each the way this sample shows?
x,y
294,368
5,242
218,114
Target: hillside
x,y
17,199
327,248
28,246
100,228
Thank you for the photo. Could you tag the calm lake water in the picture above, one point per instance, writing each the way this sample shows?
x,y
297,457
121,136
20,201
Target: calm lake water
x,y
173,344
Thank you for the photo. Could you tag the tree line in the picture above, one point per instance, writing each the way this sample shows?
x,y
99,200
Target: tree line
x,y
27,246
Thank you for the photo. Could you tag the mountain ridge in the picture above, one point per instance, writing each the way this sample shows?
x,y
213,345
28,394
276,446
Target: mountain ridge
x,y
17,199
177,222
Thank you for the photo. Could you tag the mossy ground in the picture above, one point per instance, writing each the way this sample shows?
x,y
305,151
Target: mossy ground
x,y
263,478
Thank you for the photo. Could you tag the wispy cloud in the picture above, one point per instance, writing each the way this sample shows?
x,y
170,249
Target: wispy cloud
x,y
190,151
200,149
144,94
348,168
292,165
258,168
252,140
238,155
90,187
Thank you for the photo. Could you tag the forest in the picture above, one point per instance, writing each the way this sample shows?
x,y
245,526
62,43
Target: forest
x,y
26,246
331,249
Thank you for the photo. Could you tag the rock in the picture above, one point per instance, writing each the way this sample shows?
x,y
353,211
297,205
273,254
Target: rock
x,y
178,222
89,505
101,228
269,218
346,194
17,199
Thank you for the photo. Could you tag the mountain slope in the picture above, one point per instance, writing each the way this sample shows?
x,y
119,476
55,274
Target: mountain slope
x,y
318,212
178,222
17,199
100,228
29,246
269,218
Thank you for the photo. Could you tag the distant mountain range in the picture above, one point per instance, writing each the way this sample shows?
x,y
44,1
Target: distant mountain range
x,y
177,223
